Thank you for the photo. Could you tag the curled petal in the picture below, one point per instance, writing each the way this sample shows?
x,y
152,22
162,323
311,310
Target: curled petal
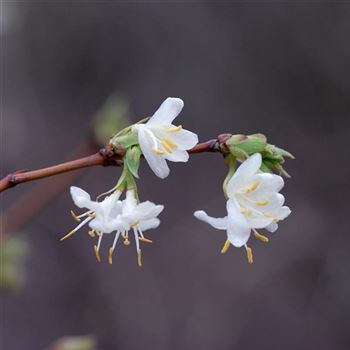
x,y
167,112
218,223
80,197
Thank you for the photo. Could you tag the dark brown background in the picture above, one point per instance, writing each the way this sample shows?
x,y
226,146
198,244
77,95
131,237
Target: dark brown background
x,y
280,69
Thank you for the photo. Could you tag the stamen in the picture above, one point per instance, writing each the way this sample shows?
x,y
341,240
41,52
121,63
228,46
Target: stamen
x,y
110,256
139,258
262,203
97,253
74,216
225,247
146,240
175,128
158,151
261,237
166,146
92,233
170,143
126,241
246,212
135,223
252,187
249,254
68,235
76,229
270,216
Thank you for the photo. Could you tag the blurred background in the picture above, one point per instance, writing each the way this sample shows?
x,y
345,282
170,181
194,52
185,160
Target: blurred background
x,y
279,69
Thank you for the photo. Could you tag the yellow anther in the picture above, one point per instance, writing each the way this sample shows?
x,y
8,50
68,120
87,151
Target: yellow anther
x,y
92,215
262,203
98,233
246,212
74,216
175,128
260,236
270,216
166,146
68,235
249,255
97,253
252,187
139,258
158,151
92,233
143,239
170,143
126,241
110,256
225,247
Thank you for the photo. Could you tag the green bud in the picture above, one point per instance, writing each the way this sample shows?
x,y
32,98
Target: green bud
x,y
242,146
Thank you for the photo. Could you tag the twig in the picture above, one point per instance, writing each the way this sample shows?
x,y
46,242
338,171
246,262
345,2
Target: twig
x,y
28,203
105,157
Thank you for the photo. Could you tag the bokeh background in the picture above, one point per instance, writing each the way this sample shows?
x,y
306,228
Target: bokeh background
x,y
241,67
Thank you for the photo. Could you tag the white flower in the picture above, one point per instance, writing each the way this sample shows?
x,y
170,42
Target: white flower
x,y
139,217
114,215
102,217
253,203
160,140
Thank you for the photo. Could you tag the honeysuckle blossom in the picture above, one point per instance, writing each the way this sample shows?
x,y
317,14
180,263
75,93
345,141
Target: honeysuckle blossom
x,y
160,140
138,217
253,203
114,215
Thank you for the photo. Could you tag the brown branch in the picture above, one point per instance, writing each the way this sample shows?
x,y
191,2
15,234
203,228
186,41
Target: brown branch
x,y
105,157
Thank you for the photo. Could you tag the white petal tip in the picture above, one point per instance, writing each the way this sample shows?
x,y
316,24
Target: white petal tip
x,y
200,215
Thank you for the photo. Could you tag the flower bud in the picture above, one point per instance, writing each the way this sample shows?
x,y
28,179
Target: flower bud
x,y
242,146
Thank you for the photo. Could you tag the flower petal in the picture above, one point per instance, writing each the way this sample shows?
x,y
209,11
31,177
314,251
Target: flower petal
x,y
243,175
269,183
184,139
148,210
149,224
167,112
177,156
218,223
281,213
80,197
156,162
272,227
238,229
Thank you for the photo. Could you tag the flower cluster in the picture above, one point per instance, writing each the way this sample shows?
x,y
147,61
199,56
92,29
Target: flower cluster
x,y
252,191
115,216
253,202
